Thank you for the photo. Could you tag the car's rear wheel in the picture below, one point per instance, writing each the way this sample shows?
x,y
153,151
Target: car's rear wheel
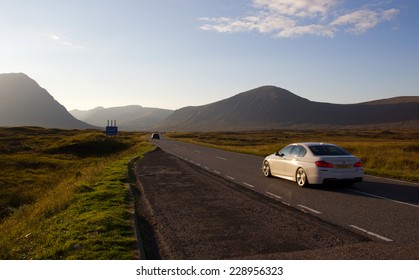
x,y
301,177
266,169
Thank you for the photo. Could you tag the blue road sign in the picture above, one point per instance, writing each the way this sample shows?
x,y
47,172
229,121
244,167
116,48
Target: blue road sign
x,y
111,130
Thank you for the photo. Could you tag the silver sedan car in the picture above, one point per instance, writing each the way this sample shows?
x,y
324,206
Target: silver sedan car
x,y
314,163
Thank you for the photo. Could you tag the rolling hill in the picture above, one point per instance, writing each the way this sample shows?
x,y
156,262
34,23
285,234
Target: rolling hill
x,y
24,103
270,107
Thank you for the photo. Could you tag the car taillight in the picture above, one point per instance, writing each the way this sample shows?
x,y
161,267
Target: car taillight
x,y
322,163
358,164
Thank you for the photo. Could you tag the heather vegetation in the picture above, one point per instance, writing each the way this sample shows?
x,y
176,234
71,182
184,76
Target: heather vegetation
x,y
385,153
64,194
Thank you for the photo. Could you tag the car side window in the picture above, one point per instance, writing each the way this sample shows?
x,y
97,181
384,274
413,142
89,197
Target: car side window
x,y
287,150
302,152
296,151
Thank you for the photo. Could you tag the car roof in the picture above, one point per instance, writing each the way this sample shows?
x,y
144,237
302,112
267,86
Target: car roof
x,y
308,144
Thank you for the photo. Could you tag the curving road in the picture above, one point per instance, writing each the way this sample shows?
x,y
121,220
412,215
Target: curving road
x,y
382,209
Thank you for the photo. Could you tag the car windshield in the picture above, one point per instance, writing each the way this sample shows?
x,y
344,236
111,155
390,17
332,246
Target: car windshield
x,y
328,150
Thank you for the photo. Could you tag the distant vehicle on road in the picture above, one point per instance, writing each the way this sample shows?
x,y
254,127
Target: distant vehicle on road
x,y
155,135
314,163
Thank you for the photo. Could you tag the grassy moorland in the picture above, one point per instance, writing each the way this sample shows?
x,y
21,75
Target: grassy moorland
x,y
64,194
384,153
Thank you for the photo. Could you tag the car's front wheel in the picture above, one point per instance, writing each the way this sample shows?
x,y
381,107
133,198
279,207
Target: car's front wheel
x,y
266,169
301,177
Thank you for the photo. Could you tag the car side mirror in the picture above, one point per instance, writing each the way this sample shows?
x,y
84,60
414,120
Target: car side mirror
x,y
279,154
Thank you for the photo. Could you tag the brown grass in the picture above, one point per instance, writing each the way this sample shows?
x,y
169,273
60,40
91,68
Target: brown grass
x,y
64,194
385,153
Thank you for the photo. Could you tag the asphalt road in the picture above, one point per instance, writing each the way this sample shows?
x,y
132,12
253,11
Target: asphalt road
x,y
382,209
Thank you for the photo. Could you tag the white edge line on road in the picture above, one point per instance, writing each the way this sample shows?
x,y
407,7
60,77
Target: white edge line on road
x,y
309,209
382,197
217,172
249,185
206,167
372,234
274,195
221,158
229,177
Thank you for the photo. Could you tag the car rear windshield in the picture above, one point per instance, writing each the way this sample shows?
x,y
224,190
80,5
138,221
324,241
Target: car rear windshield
x,y
328,150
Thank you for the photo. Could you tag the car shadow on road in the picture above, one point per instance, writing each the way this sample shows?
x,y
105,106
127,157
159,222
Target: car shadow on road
x,y
393,190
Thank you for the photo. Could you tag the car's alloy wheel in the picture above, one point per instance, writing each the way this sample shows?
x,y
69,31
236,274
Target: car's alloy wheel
x,y
301,177
266,169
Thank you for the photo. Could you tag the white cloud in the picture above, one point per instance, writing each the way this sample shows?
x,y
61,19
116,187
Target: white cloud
x,y
362,20
65,42
312,29
291,18
260,23
298,8
55,37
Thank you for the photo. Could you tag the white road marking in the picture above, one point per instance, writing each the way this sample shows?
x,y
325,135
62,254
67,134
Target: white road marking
x,y
274,195
318,212
249,185
309,209
382,197
198,164
371,233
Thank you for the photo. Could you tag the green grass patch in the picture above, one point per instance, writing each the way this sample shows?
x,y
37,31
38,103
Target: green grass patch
x,y
65,195
393,154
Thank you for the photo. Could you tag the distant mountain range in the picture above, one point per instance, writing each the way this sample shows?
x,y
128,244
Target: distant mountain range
x,y
133,117
24,102
270,107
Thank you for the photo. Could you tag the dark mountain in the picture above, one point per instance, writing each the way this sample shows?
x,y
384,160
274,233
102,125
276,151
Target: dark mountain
x,y
393,100
132,117
271,107
24,103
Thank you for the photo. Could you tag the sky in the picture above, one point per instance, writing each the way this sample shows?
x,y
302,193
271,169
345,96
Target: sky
x,y
176,53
